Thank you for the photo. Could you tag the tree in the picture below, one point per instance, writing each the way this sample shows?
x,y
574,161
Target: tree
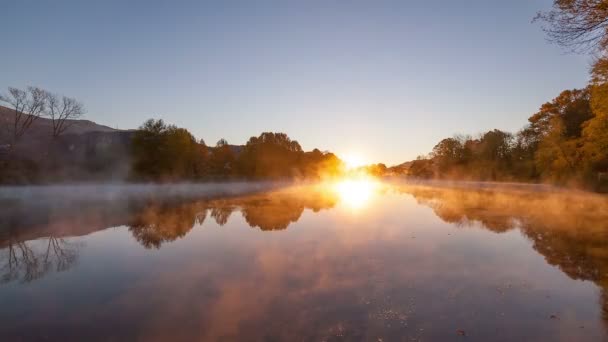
x,y
62,110
421,168
221,160
448,152
221,143
495,145
579,25
558,128
272,155
157,224
162,151
595,131
28,106
572,108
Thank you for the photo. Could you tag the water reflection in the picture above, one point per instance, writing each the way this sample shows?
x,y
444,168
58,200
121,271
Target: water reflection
x,y
392,271
570,229
356,193
26,261
153,222
156,223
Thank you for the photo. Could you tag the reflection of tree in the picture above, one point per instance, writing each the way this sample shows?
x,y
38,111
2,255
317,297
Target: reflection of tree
x,y
569,229
464,208
221,211
39,245
272,213
157,224
277,210
29,260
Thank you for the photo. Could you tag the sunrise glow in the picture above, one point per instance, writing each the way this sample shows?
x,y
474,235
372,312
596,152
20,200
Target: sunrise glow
x,y
353,160
356,193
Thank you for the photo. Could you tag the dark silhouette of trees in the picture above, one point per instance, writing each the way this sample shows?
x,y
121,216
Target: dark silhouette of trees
x,y
275,155
165,152
61,111
34,103
162,152
222,159
23,139
271,155
28,106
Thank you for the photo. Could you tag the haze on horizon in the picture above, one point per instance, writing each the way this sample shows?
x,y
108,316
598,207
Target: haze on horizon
x,y
385,80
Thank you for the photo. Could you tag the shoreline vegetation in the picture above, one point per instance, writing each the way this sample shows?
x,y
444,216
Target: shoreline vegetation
x,y
565,143
562,145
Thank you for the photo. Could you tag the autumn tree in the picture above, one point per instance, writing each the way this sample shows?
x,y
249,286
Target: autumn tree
x,y
495,146
579,25
595,131
447,153
558,126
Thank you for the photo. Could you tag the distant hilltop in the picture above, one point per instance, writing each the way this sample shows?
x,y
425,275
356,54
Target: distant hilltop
x,y
43,127
86,150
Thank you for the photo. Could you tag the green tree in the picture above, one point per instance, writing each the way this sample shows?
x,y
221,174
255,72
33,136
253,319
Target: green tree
x,y
166,152
222,159
271,155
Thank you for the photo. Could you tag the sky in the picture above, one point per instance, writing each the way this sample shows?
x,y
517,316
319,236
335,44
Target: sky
x,y
385,80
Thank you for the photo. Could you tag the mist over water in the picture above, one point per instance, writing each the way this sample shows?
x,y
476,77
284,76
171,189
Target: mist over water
x,y
119,191
354,260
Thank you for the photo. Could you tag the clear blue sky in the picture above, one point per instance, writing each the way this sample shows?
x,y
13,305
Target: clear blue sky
x,y
386,79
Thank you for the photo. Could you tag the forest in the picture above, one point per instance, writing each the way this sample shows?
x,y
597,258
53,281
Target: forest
x,y
565,142
166,152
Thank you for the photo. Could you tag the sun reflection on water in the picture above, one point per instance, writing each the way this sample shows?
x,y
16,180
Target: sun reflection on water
x,y
356,193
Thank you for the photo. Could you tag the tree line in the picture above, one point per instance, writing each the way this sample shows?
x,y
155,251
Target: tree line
x,y
166,152
566,141
157,151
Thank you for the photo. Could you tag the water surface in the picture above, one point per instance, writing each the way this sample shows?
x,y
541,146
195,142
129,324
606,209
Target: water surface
x,y
331,262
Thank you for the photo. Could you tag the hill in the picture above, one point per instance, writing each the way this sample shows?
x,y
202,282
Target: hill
x,y
42,128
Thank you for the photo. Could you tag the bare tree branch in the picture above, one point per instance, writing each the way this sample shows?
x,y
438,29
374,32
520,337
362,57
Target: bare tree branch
x,y
62,111
579,25
28,106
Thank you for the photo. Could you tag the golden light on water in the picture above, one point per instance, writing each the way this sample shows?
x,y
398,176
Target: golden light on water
x,y
357,192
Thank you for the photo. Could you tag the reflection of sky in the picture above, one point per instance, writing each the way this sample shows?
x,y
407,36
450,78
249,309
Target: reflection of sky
x,y
396,270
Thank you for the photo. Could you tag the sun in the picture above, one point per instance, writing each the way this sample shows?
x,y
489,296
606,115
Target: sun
x,y
353,160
